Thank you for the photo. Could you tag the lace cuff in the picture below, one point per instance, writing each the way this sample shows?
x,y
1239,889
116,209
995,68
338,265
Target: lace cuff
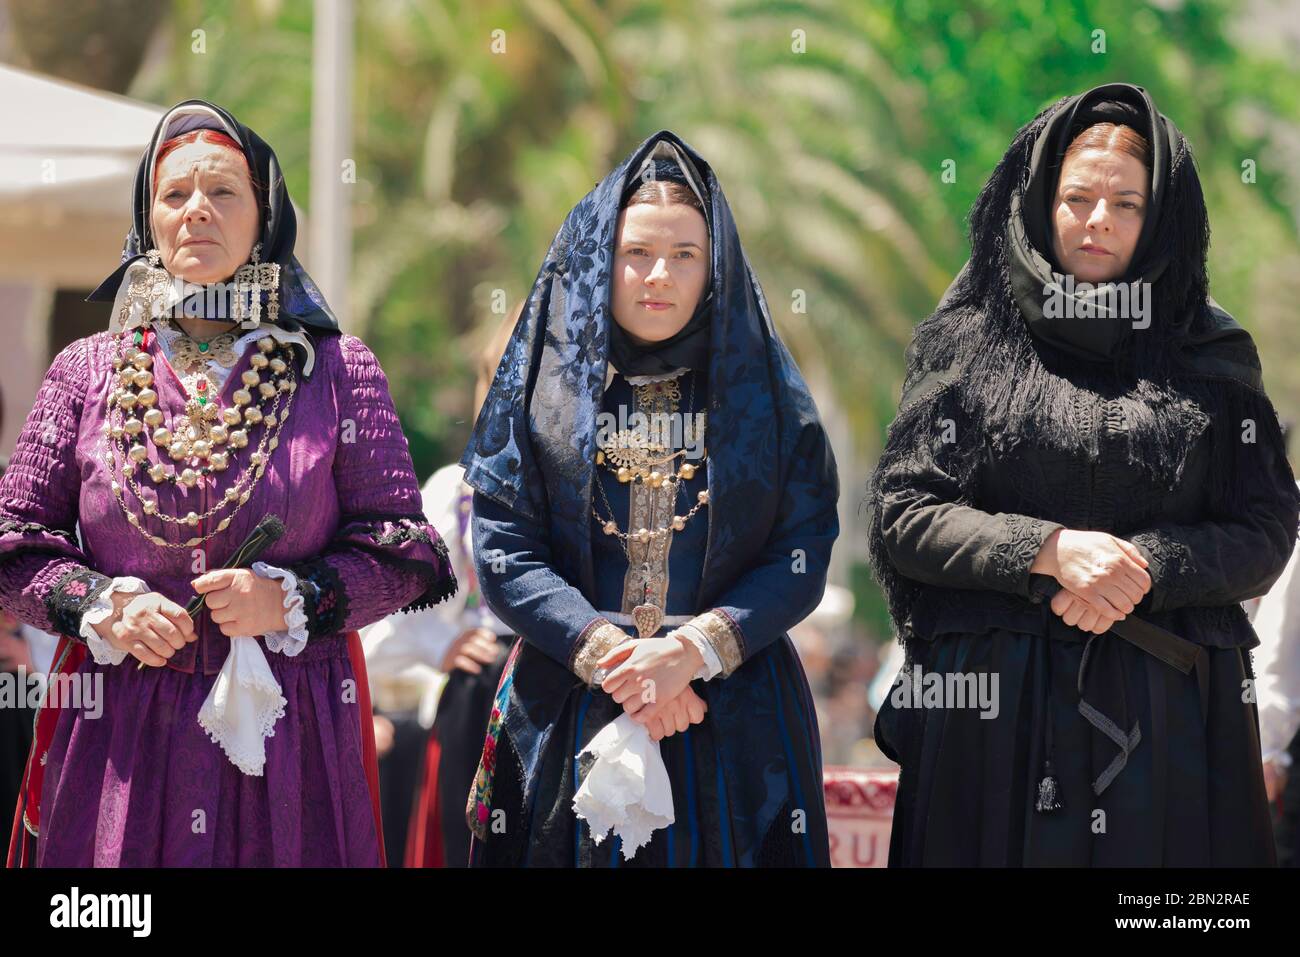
x,y
294,638
1170,565
712,663
101,608
1013,554
32,535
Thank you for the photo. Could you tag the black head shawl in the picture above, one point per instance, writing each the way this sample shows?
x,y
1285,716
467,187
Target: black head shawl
x,y
534,443
989,359
301,302
1174,229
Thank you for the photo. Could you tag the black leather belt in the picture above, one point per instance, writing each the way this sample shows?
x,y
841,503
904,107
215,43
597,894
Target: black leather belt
x,y
1160,643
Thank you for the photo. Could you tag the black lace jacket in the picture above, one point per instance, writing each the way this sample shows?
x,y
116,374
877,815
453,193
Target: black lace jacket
x,y
969,556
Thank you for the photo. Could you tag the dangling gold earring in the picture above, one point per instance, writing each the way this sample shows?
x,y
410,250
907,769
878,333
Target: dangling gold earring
x,y
252,278
146,288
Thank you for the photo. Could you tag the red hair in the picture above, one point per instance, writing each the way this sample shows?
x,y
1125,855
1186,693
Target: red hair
x,y
216,137
1111,136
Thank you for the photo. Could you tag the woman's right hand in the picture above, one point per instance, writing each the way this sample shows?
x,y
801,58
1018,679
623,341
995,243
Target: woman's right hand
x,y
1106,572
472,649
686,709
1073,610
151,627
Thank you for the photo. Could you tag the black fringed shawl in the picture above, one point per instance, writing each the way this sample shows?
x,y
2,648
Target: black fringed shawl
x,y
988,361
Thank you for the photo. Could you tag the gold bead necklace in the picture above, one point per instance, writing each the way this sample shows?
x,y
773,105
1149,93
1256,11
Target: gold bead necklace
x,y
632,460
200,433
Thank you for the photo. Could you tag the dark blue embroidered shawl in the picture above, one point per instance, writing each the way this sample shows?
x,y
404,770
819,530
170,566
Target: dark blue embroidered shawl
x,y
534,442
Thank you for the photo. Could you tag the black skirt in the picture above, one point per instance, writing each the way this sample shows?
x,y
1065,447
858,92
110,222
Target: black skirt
x,y
1190,794
15,741
463,711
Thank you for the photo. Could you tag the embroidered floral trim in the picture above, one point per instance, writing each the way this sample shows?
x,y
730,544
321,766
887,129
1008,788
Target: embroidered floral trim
x,y
405,530
724,637
479,808
71,597
9,526
1172,572
596,639
324,597
1010,558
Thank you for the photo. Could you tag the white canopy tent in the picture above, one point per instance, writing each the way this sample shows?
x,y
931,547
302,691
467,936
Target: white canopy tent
x,y
68,156
67,159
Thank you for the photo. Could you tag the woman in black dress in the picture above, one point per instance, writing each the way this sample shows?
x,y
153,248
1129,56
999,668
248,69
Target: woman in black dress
x,y
1084,480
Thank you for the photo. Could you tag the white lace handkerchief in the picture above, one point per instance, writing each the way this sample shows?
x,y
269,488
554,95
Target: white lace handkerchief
x,y
627,788
241,709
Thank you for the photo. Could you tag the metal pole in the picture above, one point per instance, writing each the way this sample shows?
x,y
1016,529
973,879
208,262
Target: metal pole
x,y
330,222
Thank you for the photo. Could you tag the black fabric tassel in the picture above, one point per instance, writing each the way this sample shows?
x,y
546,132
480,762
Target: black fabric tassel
x,y
1049,793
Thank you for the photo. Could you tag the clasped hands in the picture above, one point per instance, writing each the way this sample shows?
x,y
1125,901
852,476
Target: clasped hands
x,y
651,679
152,627
1102,577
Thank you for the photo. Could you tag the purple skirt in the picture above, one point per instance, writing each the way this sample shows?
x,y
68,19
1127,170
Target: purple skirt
x,y
142,785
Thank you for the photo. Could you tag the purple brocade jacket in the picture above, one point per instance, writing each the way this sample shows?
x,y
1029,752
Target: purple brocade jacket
x,y
340,478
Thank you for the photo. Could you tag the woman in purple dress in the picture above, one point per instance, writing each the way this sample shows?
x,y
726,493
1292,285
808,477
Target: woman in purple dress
x,y
223,394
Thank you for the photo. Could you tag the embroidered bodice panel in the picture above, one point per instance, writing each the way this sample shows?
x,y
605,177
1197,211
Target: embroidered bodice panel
x,y
1105,491
217,368
671,564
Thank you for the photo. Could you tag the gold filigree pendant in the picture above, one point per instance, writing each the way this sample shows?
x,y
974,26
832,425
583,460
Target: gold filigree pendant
x,y
647,618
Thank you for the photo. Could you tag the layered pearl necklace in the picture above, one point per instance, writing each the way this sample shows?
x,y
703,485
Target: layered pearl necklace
x,y
206,438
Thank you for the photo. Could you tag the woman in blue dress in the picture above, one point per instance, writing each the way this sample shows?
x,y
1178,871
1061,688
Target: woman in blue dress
x,y
670,550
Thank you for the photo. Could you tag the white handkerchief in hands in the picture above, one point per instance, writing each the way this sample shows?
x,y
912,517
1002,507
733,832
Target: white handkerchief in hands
x,y
241,709
627,788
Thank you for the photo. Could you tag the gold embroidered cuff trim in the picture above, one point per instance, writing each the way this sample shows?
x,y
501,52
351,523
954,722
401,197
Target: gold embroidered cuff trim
x,y
724,637
596,639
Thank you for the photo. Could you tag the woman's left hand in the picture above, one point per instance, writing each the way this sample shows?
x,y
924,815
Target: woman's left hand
x,y
653,672
242,602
